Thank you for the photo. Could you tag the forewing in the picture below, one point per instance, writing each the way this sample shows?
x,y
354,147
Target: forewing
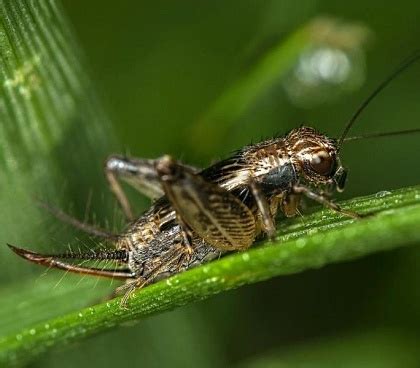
x,y
212,212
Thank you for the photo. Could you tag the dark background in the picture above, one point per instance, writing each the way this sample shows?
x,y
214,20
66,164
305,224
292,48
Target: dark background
x,y
158,66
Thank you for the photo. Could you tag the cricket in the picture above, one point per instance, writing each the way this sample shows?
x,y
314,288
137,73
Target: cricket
x,y
197,215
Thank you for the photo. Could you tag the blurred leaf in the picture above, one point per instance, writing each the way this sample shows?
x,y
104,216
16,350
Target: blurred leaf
x,y
322,239
320,35
380,348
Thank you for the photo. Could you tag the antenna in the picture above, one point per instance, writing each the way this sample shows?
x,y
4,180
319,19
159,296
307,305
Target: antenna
x,y
381,135
415,56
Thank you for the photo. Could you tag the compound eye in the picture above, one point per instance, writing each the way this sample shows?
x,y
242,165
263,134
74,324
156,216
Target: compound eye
x,y
322,163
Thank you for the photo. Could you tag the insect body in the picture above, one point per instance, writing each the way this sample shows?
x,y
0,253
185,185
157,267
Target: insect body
x,y
200,214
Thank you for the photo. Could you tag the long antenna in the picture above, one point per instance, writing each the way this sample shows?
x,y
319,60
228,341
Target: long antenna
x,y
381,135
403,66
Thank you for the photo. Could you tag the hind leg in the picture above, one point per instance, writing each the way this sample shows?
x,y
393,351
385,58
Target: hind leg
x,y
139,173
170,263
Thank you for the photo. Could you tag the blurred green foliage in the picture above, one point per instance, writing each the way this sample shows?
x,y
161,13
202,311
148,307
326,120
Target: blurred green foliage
x,y
158,67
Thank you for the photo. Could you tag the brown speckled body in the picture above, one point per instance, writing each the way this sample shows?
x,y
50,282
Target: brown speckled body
x,y
197,215
157,235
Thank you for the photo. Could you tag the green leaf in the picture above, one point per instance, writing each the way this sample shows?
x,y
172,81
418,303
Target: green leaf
x,y
53,133
321,239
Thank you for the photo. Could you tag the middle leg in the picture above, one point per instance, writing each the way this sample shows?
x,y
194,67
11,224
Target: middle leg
x,y
300,189
269,226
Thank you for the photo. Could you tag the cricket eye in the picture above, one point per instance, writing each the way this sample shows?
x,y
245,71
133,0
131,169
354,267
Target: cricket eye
x,y
322,163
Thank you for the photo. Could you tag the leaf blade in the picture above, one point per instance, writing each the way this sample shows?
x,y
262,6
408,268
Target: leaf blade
x,y
332,239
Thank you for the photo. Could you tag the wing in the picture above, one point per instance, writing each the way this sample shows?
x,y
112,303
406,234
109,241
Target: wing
x,y
212,212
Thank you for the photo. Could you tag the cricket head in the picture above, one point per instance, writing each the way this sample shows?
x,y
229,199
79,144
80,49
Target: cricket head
x,y
317,157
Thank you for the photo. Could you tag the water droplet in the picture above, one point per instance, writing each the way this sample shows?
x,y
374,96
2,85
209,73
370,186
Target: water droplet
x,y
382,194
214,279
108,304
19,337
327,67
300,243
245,257
80,314
32,331
168,282
46,326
